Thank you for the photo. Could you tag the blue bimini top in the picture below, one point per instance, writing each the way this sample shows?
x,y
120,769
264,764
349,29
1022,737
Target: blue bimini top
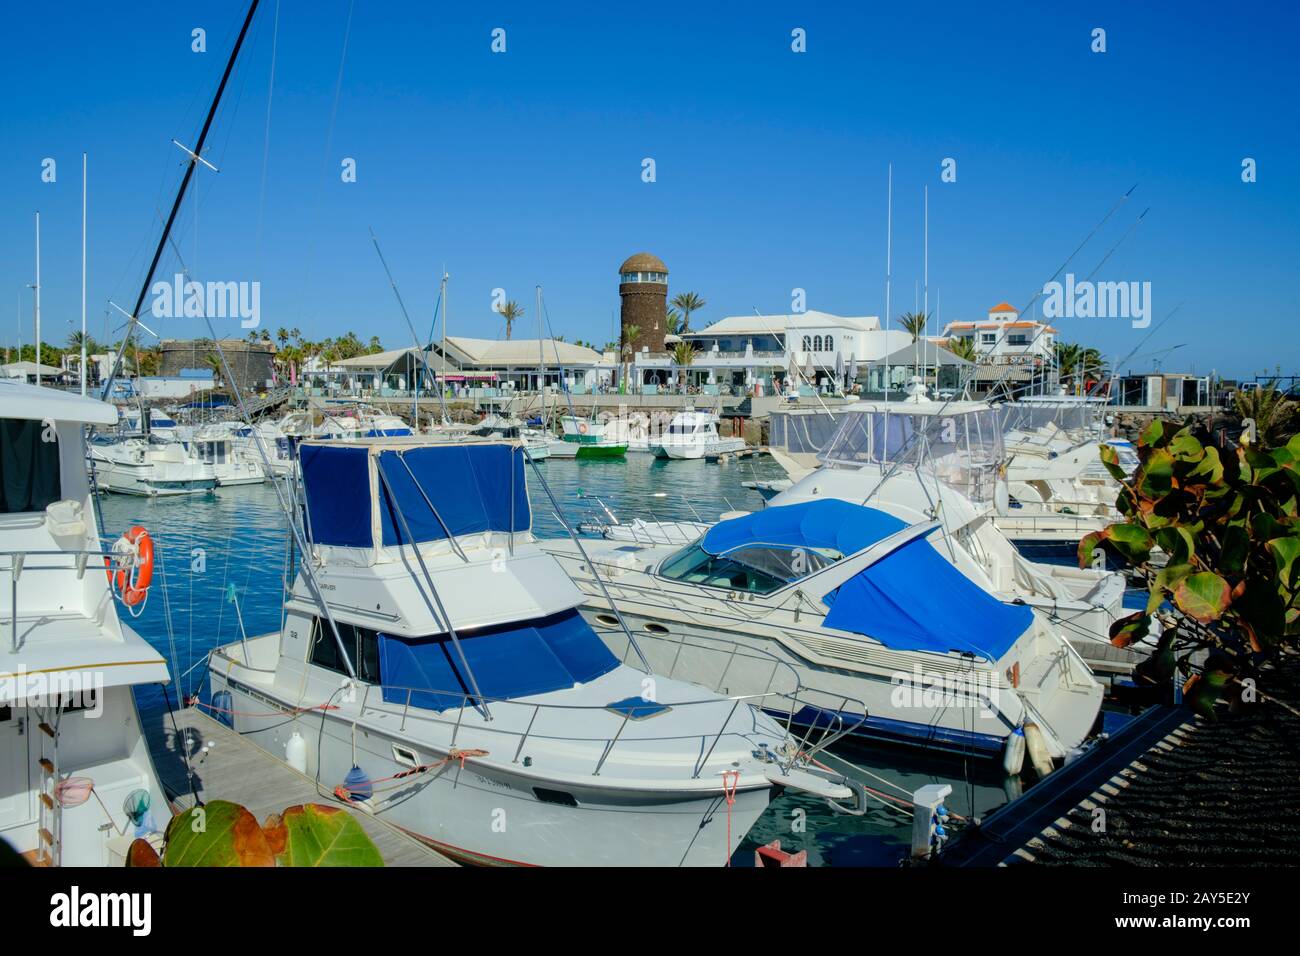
x,y
912,599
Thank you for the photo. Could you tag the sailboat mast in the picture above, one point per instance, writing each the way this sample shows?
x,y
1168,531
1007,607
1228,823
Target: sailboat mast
x,y
84,182
180,197
889,266
38,298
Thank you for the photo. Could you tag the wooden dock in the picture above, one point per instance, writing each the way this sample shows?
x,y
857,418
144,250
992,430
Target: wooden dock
x,y
752,451
237,770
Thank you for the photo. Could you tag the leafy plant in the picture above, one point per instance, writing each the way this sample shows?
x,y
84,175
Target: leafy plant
x,y
1273,414
1228,526
222,833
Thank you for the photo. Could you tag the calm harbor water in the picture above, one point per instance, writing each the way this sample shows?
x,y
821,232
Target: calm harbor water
x,y
234,540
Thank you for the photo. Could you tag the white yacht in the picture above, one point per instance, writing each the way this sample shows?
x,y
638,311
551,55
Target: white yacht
x,y
149,465
691,435
861,605
447,681
77,783
1058,488
503,426
926,461
227,447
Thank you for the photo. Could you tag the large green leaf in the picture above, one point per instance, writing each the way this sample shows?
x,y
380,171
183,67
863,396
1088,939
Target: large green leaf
x,y
1153,435
1110,458
1203,596
1155,477
1131,629
219,833
317,835
1286,552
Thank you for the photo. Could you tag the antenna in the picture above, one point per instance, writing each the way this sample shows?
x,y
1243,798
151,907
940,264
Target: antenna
x,y
889,268
84,182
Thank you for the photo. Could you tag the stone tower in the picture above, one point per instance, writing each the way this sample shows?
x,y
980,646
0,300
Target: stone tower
x,y
643,287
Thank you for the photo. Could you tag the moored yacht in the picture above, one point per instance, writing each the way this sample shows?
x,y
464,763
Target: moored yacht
x,y
148,465
434,669
861,605
692,434
943,461
77,783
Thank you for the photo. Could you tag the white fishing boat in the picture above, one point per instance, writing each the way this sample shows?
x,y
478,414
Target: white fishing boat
x,y
861,605
503,426
77,783
922,461
148,465
693,434
434,668
227,447
1058,488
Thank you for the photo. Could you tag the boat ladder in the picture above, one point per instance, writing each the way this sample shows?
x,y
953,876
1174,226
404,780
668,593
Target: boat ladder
x,y
49,827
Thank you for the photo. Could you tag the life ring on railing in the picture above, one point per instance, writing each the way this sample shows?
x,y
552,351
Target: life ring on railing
x,y
132,580
582,428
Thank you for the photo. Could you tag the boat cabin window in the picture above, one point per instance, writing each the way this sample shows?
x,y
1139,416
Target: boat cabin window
x,y
29,466
681,429
757,569
362,644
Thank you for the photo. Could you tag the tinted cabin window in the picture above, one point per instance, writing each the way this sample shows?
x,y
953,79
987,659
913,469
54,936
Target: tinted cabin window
x,y
29,466
362,644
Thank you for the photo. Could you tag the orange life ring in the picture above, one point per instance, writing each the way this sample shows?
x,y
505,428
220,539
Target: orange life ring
x,y
582,428
134,586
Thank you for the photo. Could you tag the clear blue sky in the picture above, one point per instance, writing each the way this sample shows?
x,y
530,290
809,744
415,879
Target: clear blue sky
x,y
525,167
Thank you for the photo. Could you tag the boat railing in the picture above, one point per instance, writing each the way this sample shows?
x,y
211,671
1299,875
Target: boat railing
x,y
19,563
810,727
601,516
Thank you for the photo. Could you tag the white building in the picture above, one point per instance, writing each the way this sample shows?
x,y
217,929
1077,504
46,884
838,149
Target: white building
x,y
1005,339
811,348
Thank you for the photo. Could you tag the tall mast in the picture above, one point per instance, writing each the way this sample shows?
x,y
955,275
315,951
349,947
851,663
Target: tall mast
x,y
180,197
84,182
37,287
925,308
889,267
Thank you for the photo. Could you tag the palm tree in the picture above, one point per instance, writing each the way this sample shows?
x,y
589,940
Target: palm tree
x,y
683,358
1274,416
688,302
630,334
673,322
374,346
510,311
213,361
963,348
914,322
282,336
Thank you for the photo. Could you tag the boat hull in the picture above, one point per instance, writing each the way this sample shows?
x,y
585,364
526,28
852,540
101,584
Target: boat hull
x,y
484,814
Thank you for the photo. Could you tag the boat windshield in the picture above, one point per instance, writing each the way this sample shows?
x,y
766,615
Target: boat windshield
x,y
681,429
756,569
962,448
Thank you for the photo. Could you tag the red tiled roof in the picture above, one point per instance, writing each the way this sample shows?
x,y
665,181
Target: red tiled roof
x,y
1002,307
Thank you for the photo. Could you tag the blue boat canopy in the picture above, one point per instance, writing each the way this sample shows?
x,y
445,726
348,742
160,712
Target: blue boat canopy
x,y
513,660
829,523
911,599
441,490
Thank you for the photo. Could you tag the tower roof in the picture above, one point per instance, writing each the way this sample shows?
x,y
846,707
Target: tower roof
x,y
643,262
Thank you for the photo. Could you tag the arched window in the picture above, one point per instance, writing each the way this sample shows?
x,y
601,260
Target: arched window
x,y
830,343
807,344
817,343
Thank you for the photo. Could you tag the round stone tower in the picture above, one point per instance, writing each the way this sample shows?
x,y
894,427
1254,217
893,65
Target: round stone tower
x,y
643,287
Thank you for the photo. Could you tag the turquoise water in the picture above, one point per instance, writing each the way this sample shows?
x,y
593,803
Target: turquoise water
x,y
236,537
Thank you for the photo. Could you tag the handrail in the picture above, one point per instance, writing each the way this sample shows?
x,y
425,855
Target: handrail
x,y
407,709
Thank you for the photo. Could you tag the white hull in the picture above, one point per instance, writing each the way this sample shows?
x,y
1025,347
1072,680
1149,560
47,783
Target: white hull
x,y
488,814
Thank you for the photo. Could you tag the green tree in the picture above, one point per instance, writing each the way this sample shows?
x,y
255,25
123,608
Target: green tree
x,y
914,323
688,302
510,311
683,358
963,348
1227,526
1274,416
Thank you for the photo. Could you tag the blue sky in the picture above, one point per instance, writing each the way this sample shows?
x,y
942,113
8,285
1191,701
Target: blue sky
x,y
525,167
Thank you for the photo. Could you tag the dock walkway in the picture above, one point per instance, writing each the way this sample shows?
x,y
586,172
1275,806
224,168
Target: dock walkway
x,y
1005,835
237,770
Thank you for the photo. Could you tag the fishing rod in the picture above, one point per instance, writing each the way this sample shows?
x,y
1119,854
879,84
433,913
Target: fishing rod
x,y
194,159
